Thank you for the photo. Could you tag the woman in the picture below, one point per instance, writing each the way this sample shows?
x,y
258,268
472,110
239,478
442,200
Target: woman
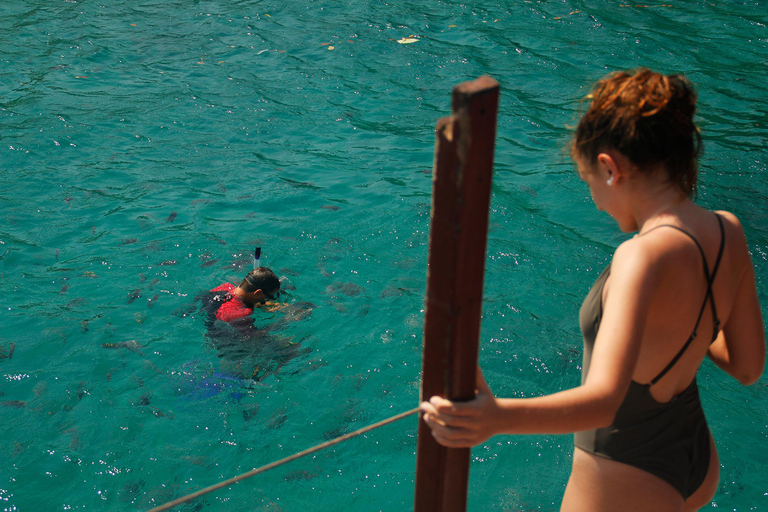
x,y
681,289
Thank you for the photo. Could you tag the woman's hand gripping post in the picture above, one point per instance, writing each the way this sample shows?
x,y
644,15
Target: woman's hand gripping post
x,y
463,424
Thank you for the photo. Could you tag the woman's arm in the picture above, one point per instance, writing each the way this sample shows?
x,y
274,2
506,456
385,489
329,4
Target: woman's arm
x,y
465,424
740,347
591,405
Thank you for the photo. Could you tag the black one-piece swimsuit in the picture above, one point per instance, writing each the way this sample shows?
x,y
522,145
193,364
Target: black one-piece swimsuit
x,y
669,440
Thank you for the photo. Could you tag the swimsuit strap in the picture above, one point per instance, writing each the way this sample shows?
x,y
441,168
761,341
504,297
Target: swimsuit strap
x,y
716,320
707,297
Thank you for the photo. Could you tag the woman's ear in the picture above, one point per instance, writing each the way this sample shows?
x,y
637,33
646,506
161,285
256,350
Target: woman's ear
x,y
611,167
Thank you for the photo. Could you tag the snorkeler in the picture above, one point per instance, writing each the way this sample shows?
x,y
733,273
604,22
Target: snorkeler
x,y
235,304
248,351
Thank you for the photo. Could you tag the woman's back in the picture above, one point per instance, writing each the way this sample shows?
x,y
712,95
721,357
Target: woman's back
x,y
682,293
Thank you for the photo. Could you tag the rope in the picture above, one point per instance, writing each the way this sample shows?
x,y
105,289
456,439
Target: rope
x,y
280,462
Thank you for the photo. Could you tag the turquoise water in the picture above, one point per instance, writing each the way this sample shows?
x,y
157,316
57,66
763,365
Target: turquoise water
x,y
148,146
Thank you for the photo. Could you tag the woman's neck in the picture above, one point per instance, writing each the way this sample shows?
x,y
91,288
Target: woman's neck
x,y
655,200
662,207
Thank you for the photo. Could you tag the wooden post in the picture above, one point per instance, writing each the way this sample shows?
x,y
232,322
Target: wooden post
x,y
457,239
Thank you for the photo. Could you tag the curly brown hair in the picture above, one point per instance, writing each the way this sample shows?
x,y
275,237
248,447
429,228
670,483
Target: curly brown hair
x,y
646,116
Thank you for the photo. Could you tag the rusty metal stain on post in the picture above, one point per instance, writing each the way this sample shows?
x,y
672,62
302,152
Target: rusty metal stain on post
x,y
461,192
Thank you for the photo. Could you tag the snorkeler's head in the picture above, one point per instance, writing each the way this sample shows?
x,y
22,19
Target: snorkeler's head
x,y
261,278
646,116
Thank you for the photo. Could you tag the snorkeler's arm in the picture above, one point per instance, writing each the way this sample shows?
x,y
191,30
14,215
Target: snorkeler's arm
x,y
591,405
272,306
740,347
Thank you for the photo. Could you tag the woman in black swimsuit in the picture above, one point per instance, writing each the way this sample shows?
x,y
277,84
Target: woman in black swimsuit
x,y
682,289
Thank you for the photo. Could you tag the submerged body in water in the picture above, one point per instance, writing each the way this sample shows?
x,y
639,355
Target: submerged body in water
x,y
248,351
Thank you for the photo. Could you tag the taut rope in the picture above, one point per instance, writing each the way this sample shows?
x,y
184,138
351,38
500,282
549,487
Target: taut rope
x,y
280,462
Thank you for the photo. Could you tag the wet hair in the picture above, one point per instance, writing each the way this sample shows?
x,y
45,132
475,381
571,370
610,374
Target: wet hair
x,y
260,278
647,117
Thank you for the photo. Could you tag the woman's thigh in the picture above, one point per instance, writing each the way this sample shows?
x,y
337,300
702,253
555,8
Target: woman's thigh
x,y
599,484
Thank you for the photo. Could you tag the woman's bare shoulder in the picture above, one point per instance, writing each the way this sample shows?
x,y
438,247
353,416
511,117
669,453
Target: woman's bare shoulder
x,y
639,255
735,239
656,247
730,221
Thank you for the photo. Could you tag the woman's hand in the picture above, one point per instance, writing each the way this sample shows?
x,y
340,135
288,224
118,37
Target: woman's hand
x,y
463,424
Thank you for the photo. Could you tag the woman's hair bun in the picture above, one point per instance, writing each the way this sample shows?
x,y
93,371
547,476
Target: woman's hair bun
x,y
646,116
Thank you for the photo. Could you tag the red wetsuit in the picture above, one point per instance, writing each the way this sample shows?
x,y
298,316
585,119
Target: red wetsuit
x,y
232,308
